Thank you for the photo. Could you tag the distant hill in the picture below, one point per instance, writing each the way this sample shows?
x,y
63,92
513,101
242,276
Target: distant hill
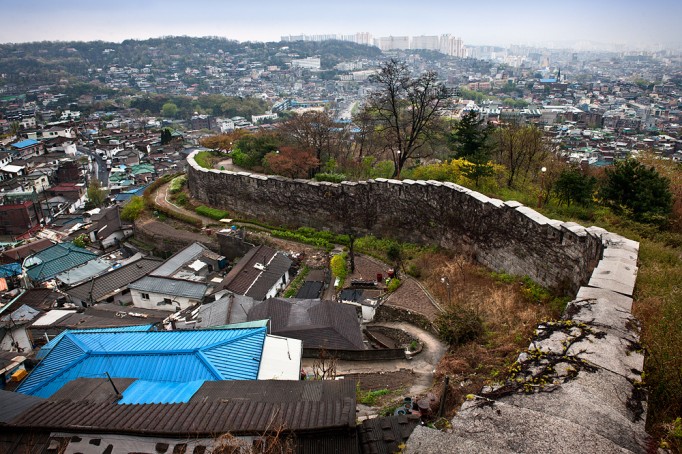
x,y
46,62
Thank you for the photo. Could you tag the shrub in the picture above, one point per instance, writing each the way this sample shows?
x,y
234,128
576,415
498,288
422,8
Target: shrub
x,y
133,208
177,183
81,240
294,236
414,270
182,199
331,177
212,213
339,267
458,325
393,285
370,398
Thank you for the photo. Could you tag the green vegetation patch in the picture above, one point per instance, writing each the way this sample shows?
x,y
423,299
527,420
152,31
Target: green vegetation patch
x,y
212,213
297,282
177,183
370,398
133,209
206,159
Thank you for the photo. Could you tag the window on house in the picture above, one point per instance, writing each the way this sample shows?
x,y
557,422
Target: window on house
x,y
164,302
145,296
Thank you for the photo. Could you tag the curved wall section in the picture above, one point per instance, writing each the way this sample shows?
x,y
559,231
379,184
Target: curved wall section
x,y
505,236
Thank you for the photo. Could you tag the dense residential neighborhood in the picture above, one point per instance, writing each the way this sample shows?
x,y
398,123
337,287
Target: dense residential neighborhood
x,y
136,314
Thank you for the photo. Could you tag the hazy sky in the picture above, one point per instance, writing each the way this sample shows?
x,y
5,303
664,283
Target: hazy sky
x,y
635,23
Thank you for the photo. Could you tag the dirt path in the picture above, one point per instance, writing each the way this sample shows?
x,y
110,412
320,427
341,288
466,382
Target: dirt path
x,y
161,198
226,164
423,365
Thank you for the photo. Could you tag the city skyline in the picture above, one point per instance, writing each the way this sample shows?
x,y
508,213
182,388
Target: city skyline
x,y
626,23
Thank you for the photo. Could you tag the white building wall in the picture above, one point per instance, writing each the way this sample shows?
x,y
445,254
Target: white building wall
x,y
158,301
16,340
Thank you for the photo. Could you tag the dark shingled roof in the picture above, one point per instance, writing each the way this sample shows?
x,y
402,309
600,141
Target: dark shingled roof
x,y
13,404
19,253
385,435
319,324
94,390
310,289
246,279
107,284
240,408
40,298
107,221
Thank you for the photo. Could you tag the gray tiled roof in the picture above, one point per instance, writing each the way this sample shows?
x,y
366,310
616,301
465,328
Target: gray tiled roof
x,y
177,261
106,284
319,324
168,286
93,317
246,279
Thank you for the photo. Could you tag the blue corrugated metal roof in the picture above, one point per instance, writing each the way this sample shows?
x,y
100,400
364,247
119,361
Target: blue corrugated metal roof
x,y
150,392
159,356
25,143
45,349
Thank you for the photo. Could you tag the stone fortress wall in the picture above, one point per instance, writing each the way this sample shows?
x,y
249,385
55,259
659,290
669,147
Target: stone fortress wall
x,y
505,236
578,387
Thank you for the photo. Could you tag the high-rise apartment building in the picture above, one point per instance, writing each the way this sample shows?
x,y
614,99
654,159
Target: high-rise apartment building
x,y
393,43
358,38
453,46
446,44
425,42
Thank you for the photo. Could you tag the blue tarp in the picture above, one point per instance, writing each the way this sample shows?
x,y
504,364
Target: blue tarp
x,y
12,269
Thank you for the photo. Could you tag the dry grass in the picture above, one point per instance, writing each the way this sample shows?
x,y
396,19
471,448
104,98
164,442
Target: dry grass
x,y
509,317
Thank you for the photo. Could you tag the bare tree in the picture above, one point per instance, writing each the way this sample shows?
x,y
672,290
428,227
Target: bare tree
x,y
522,149
324,366
316,131
407,110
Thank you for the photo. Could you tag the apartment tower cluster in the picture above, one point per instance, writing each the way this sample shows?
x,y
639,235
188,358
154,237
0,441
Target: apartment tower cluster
x,y
446,44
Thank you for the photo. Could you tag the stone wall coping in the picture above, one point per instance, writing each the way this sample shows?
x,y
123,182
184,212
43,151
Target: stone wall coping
x,y
532,214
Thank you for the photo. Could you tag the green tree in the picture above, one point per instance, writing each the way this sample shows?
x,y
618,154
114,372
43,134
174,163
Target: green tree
x,y
639,191
394,254
96,194
250,150
166,136
573,185
469,140
169,110
81,240
14,128
469,137
407,110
